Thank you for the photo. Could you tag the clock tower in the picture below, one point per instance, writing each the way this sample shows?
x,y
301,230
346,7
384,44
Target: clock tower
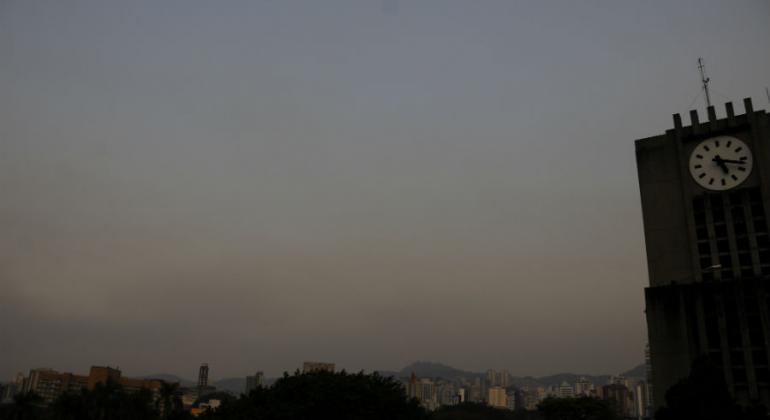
x,y
705,193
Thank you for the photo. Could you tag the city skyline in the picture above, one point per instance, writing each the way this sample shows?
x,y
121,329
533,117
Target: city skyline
x,y
262,183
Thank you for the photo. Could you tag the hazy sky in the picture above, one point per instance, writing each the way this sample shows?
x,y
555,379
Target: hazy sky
x,y
368,182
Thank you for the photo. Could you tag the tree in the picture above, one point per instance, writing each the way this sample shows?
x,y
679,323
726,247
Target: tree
x,y
324,395
703,395
169,403
108,401
581,408
477,411
25,406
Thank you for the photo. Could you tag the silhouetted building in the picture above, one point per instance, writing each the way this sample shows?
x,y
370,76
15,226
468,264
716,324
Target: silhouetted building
x,y
565,390
252,382
648,374
11,389
641,404
620,398
424,390
50,384
203,376
705,192
583,387
317,367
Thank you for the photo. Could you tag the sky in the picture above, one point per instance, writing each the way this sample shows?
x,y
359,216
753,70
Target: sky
x,y
252,184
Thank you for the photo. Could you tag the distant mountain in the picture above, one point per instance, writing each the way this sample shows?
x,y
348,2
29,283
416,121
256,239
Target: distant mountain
x,y
434,370
437,370
236,386
423,369
637,372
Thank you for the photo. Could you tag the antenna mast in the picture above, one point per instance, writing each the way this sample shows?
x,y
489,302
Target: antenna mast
x,y
705,80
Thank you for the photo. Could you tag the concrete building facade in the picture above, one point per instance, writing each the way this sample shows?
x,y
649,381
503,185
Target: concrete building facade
x,y
253,382
50,384
705,192
497,397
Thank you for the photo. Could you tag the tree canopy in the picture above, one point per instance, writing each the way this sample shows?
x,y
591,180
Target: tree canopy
x,y
337,395
703,395
580,408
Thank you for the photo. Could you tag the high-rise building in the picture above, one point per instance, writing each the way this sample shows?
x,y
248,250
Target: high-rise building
x,y
50,384
11,389
203,376
641,405
496,397
705,192
620,398
253,382
424,390
512,399
460,398
495,378
491,377
648,374
583,387
505,379
565,390
531,398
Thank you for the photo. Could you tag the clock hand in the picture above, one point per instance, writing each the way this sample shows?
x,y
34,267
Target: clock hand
x,y
721,163
737,162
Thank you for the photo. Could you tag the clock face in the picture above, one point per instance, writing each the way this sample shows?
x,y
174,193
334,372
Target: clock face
x,y
720,163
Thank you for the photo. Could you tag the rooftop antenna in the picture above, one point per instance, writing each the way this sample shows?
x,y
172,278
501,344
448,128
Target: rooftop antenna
x,y
767,92
705,80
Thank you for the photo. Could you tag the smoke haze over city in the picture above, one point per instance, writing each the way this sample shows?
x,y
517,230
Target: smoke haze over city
x,y
253,184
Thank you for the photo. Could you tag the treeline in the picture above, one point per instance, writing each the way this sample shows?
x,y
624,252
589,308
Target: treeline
x,y
107,401
317,395
341,396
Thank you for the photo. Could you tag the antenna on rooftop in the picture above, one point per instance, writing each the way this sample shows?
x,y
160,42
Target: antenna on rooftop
x,y
705,80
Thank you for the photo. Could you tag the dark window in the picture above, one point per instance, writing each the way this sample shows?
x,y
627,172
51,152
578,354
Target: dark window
x,y
698,203
725,261
723,246
736,358
744,259
759,357
763,375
